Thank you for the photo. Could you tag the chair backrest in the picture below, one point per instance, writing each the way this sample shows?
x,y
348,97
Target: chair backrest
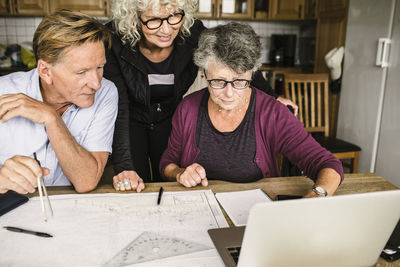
x,y
311,93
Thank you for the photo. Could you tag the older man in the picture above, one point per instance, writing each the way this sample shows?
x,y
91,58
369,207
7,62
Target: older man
x,y
63,110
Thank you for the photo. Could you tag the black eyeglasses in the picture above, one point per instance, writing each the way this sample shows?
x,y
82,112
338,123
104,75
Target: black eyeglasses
x,y
220,84
156,23
238,84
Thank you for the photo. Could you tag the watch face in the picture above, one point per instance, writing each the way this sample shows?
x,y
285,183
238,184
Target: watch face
x,y
320,191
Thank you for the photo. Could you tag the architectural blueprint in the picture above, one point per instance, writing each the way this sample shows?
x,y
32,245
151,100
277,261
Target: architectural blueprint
x,y
115,230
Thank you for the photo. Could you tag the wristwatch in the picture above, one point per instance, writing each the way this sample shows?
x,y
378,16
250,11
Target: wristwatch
x,y
320,191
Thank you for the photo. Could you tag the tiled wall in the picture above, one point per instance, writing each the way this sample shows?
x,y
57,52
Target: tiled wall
x,y
17,30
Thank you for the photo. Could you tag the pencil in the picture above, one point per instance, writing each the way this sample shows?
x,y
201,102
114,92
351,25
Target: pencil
x,y
160,195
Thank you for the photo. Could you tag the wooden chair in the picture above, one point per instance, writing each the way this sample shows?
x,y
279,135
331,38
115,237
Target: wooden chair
x,y
311,93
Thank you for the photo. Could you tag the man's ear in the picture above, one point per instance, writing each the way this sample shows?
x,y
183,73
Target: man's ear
x,y
44,71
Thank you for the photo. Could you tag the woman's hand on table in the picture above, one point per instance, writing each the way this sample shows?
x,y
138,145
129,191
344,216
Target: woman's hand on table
x,y
192,175
128,180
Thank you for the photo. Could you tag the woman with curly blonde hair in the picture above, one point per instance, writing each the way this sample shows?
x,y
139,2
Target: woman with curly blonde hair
x,y
127,19
151,63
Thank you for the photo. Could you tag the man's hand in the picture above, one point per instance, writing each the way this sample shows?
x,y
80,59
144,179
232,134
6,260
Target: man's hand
x,y
20,174
129,180
21,105
192,176
288,102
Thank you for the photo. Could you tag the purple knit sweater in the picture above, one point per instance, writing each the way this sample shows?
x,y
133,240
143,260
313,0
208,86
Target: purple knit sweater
x,y
277,131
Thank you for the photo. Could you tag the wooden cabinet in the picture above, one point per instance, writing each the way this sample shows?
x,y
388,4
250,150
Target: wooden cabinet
x,y
331,33
5,7
331,30
43,7
310,9
252,9
29,7
90,7
225,9
206,9
24,7
332,6
286,9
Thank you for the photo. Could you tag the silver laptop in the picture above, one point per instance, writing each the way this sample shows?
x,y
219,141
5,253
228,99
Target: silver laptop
x,y
348,230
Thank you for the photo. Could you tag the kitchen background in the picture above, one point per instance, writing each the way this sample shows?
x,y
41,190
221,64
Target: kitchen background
x,y
15,30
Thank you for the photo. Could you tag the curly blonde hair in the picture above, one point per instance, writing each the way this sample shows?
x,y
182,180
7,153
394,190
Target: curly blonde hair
x,y
126,13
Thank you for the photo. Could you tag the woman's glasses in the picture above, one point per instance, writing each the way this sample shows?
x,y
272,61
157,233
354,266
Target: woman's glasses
x,y
220,84
156,23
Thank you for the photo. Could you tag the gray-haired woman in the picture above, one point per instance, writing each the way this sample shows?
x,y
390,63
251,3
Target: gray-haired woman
x,y
151,63
233,131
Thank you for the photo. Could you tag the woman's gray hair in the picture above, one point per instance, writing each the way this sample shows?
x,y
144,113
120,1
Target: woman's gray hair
x,y
234,45
126,13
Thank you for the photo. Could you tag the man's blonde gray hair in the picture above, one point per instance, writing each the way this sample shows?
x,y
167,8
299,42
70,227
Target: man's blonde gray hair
x,y
126,13
64,29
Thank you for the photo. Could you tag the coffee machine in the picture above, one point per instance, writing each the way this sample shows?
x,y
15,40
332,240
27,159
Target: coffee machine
x,y
283,50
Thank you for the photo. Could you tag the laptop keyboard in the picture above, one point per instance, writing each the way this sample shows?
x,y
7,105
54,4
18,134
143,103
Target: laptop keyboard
x,y
234,251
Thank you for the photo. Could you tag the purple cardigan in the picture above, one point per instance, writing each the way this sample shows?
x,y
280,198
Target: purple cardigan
x,y
277,131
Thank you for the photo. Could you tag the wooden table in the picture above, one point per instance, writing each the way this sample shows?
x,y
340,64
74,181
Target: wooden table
x,y
353,183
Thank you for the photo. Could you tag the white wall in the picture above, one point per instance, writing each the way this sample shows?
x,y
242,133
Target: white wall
x,y
366,88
